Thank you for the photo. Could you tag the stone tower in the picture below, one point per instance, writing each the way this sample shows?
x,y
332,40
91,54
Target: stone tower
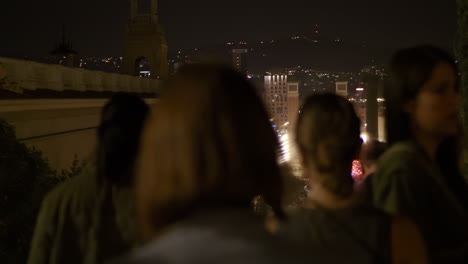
x,y
145,44
63,53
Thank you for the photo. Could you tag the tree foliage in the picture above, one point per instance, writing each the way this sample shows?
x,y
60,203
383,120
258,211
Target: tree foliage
x,y
25,178
461,54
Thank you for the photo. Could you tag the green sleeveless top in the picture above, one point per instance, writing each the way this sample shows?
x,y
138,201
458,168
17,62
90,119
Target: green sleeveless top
x,y
360,233
408,183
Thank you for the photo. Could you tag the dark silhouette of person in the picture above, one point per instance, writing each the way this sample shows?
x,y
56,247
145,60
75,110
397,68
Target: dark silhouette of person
x,y
334,217
91,217
420,176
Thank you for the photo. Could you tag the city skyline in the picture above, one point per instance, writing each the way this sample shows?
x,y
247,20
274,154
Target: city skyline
x,y
96,28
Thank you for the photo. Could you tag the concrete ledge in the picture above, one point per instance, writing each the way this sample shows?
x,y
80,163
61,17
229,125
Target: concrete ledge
x,y
61,128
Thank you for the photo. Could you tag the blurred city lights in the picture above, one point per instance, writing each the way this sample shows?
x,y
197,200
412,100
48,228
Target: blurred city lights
x,y
285,146
364,137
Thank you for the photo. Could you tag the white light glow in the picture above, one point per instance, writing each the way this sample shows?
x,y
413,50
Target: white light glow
x,y
365,137
285,148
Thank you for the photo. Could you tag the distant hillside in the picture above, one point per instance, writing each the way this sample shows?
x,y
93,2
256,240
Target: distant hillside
x,y
325,54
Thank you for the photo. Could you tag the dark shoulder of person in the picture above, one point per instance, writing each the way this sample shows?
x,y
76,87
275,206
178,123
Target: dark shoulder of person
x,y
403,156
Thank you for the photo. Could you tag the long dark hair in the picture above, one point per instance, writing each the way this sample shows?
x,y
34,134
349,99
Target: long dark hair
x,y
208,142
330,119
410,69
122,120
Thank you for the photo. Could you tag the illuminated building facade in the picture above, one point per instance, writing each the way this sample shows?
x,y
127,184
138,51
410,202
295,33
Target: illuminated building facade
x,y
293,104
239,60
360,107
342,89
282,101
276,101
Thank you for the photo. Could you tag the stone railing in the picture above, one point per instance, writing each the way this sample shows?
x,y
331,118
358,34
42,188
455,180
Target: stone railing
x,y
143,19
19,75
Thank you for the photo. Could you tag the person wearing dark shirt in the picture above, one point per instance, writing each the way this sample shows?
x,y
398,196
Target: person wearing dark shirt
x,y
420,175
91,218
328,139
208,150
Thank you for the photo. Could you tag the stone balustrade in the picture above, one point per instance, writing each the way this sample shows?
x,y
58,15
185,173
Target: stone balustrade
x,y
19,75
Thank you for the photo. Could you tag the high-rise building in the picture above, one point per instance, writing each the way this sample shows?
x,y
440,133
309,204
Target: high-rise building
x,y
293,104
342,89
239,60
372,106
382,135
360,106
282,102
276,100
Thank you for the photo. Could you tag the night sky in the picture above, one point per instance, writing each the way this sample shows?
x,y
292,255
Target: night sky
x,y
32,27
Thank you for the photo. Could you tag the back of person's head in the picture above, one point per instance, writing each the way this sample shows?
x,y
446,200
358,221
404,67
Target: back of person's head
x,y
208,143
409,70
122,120
372,151
328,137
